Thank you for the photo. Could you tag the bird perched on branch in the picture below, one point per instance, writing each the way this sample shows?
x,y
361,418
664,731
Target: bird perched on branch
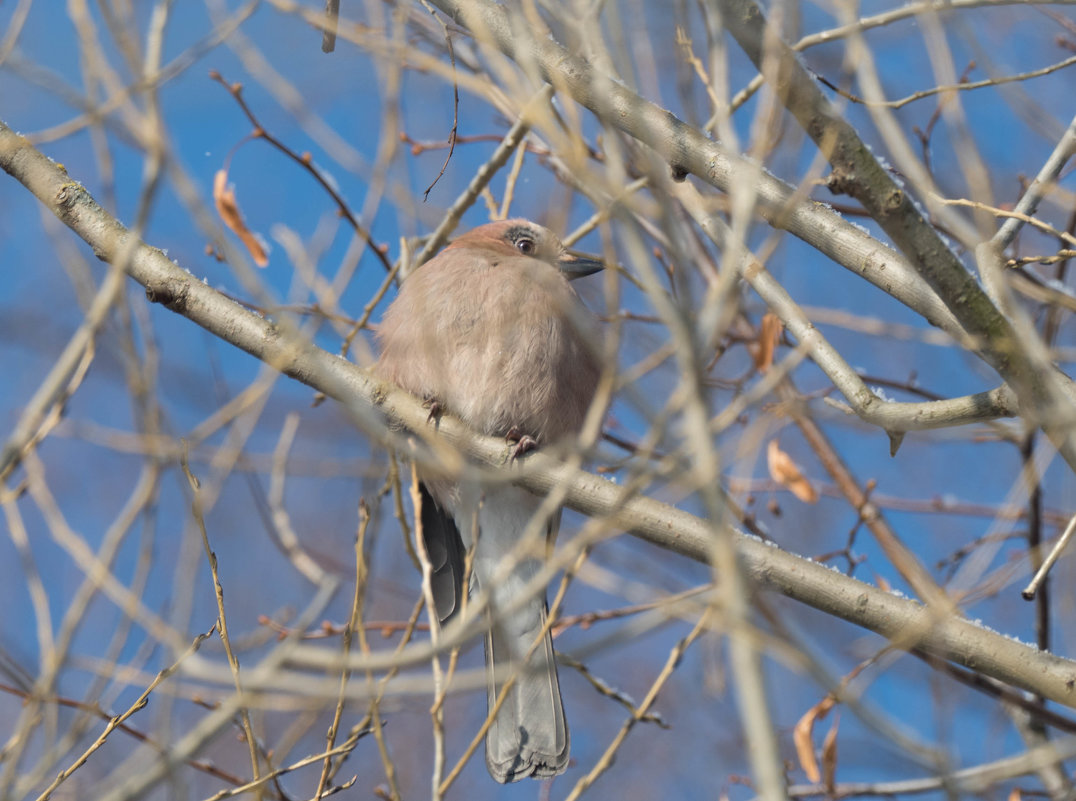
x,y
490,330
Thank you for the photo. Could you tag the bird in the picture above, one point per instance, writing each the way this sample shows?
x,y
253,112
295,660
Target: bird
x,y
491,331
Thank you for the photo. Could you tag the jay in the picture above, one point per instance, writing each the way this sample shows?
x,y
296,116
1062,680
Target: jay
x,y
491,331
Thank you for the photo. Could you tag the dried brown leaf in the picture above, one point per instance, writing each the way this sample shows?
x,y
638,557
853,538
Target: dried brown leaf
x,y
829,758
769,334
787,473
228,209
804,741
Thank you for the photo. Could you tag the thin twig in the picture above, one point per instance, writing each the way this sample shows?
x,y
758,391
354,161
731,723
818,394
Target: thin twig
x,y
483,176
120,719
606,760
957,87
222,620
354,622
305,161
374,715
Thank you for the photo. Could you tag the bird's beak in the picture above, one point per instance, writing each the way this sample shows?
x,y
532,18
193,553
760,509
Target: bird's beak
x,y
576,265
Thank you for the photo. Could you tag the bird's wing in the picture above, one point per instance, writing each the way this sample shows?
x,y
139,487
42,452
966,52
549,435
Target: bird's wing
x,y
446,553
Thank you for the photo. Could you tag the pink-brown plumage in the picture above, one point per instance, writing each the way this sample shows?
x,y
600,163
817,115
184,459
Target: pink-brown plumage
x,y
500,338
492,331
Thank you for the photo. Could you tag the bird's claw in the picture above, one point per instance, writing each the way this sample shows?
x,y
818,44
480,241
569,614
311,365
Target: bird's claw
x,y
524,443
436,409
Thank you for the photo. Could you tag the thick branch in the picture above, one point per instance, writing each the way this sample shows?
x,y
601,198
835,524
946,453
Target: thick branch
x,y
688,149
1044,393
898,619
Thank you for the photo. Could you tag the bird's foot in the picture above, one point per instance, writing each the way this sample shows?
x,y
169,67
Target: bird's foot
x,y
524,443
436,409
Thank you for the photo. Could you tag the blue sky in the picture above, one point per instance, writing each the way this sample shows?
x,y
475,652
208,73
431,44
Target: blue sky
x,y
92,474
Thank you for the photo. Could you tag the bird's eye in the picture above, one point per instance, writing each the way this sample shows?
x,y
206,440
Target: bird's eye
x,y
525,245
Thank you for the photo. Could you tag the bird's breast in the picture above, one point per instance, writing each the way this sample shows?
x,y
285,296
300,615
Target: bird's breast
x,y
505,347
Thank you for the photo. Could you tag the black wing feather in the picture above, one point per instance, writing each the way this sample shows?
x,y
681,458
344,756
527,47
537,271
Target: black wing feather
x,y
444,549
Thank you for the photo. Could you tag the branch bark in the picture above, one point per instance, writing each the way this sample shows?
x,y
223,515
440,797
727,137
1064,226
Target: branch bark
x,y
375,407
956,304
1045,394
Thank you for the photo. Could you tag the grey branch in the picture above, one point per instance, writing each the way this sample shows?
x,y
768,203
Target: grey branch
x,y
898,619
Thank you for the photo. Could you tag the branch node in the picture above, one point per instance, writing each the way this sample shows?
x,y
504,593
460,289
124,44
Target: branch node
x,y
169,296
65,195
840,182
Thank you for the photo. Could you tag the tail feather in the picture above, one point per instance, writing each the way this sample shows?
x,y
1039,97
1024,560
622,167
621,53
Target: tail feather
x,y
529,735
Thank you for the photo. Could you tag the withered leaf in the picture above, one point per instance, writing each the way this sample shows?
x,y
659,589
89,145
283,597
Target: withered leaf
x,y
787,473
228,209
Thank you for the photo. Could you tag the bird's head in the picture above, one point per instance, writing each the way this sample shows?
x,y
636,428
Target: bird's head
x,y
523,238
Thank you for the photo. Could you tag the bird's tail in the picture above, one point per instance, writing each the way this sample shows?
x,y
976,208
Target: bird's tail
x,y
529,735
